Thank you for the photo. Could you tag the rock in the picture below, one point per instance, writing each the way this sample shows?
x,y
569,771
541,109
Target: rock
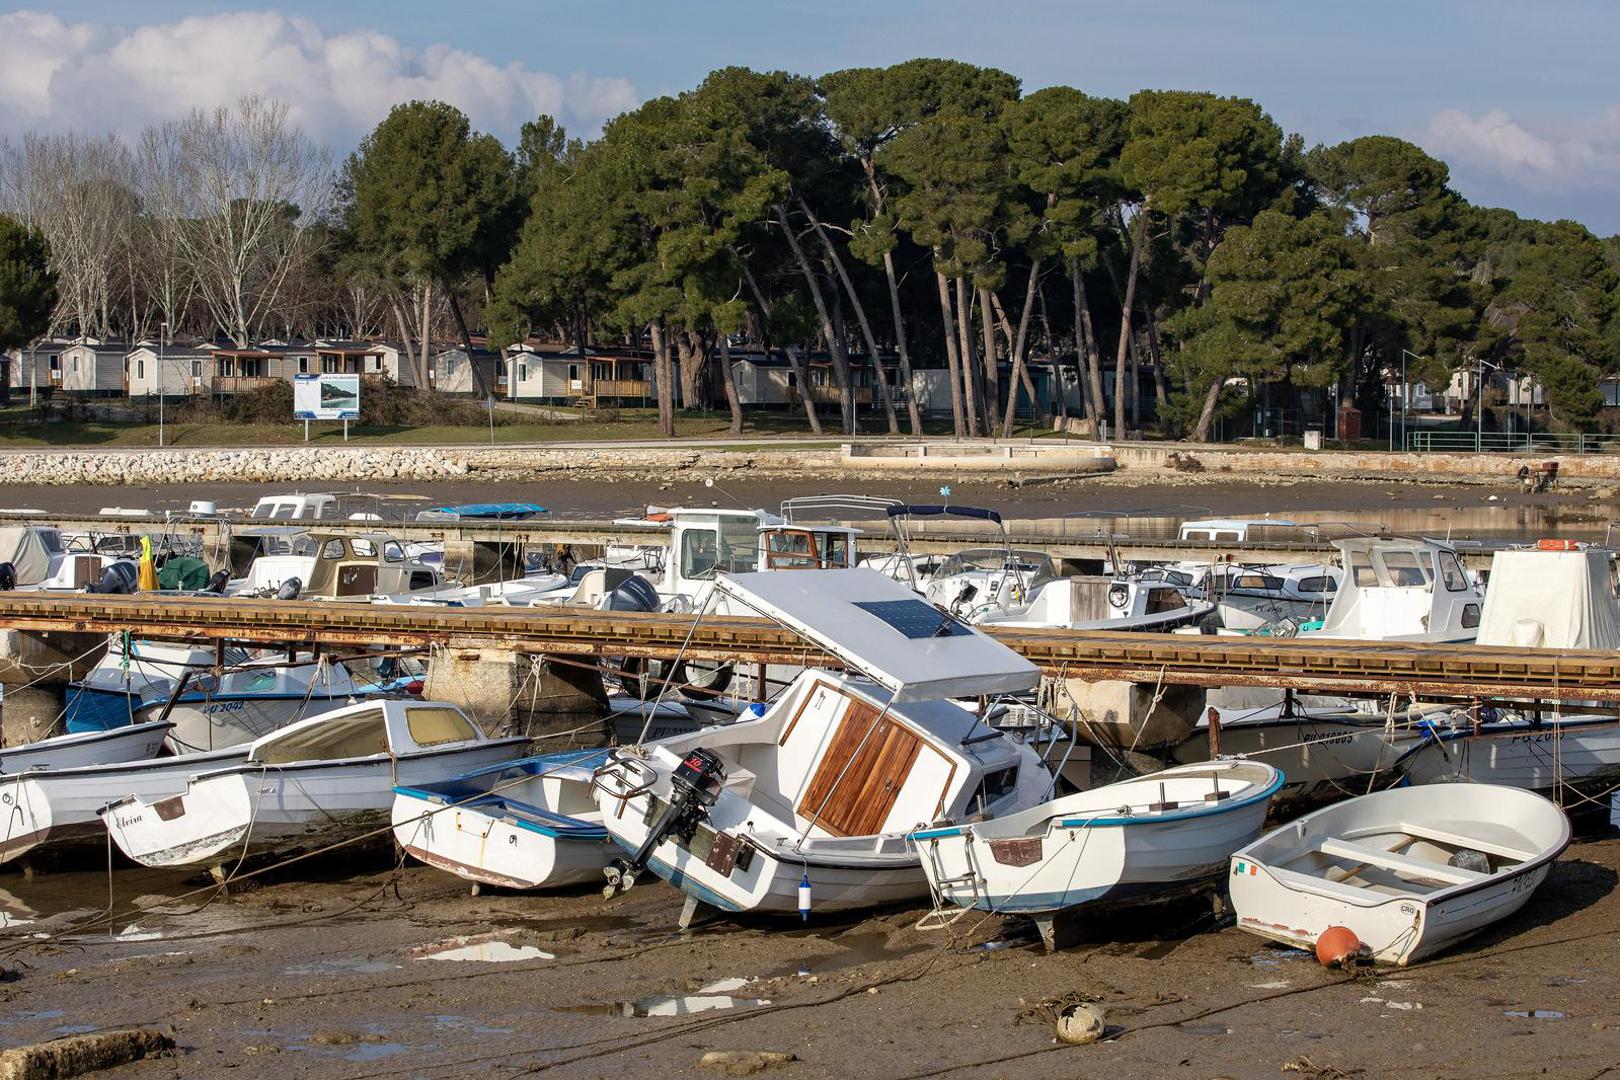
x,y
744,1062
1080,1024
80,1054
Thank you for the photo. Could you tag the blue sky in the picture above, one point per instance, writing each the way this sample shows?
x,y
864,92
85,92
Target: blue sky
x,y
1521,99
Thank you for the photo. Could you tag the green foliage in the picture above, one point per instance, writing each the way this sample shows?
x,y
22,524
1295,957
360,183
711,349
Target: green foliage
x,y
1192,152
27,284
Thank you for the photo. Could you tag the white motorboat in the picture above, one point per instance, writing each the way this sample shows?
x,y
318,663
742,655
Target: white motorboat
x,y
1408,871
525,824
319,564
1250,598
819,793
132,742
1402,590
251,696
62,806
1146,838
322,779
1098,602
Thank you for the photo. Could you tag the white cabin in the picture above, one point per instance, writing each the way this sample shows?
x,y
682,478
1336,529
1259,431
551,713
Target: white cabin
x,y
1403,590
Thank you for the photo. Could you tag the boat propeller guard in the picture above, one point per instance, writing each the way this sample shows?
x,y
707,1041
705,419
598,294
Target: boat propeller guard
x,y
694,786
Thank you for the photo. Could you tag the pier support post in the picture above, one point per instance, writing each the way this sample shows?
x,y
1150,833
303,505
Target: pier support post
x,y
506,692
1133,716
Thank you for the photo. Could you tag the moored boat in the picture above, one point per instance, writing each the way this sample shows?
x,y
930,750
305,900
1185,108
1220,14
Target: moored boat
x,y
133,742
1409,871
1150,837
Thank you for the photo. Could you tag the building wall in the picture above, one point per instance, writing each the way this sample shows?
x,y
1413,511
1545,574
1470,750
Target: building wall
x,y
141,366
88,371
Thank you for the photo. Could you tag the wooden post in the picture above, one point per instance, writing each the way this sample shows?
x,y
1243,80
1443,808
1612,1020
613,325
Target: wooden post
x,y
1214,719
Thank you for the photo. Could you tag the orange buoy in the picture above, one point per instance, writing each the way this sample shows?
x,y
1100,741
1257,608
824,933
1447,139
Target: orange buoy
x,y
1337,945
1558,545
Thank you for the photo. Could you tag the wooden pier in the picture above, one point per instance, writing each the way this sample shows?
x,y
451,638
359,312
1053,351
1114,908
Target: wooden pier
x,y
1457,672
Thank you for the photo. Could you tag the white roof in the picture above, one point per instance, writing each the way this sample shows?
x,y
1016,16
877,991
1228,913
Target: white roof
x,y
1551,599
884,630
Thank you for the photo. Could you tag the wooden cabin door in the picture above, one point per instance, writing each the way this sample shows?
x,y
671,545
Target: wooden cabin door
x,y
861,774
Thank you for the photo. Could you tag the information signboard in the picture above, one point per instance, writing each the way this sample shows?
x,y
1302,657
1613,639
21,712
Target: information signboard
x,y
326,397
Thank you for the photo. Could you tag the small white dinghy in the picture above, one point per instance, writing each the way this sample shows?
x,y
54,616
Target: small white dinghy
x,y
811,802
132,742
316,781
1150,837
1409,871
525,824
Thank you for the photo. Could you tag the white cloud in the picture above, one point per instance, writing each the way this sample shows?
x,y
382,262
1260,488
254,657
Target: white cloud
x,y
56,75
1571,154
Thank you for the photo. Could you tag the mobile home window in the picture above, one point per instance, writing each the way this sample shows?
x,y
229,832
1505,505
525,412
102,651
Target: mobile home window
x,y
303,365
196,369
140,369
523,373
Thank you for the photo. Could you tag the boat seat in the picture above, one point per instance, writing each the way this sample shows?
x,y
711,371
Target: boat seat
x,y
1338,890
536,815
1400,865
1458,840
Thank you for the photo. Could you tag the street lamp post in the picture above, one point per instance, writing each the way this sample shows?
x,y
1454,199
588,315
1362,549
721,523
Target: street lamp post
x,y
163,334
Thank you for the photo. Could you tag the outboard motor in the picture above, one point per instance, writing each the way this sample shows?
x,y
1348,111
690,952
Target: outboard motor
x,y
694,786
118,579
634,593
217,583
290,589
8,577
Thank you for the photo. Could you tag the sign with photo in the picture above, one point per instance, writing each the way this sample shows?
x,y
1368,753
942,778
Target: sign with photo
x,y
326,397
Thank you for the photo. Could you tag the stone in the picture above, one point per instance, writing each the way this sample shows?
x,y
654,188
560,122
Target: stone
x,y
76,1055
745,1062
1080,1024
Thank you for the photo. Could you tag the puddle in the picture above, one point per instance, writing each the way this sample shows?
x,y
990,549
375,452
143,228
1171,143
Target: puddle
x,y
717,995
496,952
1534,1014
585,923
134,932
74,1029
42,1014
871,947
1270,958
1206,1029
461,1023
343,965
1404,1006
375,1051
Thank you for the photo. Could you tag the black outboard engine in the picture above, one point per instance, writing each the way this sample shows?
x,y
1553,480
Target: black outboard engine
x,y
118,579
8,577
634,593
217,583
290,589
694,786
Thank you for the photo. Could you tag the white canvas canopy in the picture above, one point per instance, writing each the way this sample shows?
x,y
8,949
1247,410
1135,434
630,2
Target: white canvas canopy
x,y
882,629
1551,599
25,548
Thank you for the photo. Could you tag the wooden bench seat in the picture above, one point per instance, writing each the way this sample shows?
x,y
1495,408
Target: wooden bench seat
x,y
1400,865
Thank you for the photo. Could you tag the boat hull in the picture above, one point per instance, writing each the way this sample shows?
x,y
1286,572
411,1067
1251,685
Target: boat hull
x,y
1321,759
1579,754
135,742
266,809
495,848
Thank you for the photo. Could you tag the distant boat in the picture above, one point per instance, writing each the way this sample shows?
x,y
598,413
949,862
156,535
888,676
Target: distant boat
x,y
1409,871
494,511
525,824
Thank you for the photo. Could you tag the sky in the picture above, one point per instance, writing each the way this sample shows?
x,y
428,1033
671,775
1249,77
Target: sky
x,y
1521,100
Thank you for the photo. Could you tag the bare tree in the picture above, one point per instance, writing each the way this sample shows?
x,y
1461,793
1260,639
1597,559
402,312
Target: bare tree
x,y
251,185
166,274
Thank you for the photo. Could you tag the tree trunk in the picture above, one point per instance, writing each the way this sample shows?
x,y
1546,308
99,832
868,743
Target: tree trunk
x,y
406,340
665,377
970,366
1206,415
1161,389
992,361
860,316
479,385
728,379
913,413
1138,228
951,363
1092,384
423,363
1020,372
835,347
794,362
696,357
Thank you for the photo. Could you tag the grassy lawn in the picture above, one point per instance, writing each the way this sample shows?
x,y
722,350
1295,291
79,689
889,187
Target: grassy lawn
x,y
21,429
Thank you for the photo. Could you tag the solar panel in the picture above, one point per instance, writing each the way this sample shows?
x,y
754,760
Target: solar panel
x,y
915,619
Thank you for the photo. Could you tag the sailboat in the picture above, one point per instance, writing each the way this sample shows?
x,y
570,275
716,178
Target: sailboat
x,y
809,805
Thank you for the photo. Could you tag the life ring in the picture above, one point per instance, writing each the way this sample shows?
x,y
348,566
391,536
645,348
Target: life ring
x,y
1558,545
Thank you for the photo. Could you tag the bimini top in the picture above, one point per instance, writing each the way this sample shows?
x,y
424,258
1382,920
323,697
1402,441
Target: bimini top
x,y
505,511
882,629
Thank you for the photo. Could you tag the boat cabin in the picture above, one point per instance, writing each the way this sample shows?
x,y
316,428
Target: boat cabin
x,y
296,507
369,729
332,566
1235,530
1403,590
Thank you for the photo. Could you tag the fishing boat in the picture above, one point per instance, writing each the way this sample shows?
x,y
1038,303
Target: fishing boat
x,y
62,806
1150,837
318,564
251,695
526,824
319,780
1408,871
132,742
815,797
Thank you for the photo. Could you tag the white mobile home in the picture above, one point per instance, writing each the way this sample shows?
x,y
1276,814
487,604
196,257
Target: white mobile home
x,y
173,371
93,368
452,374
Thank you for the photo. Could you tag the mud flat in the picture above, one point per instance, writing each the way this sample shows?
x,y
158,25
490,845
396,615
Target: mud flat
x,y
340,978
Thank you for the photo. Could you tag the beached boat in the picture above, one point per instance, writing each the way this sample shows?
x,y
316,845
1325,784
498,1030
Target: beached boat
x,y
1150,837
132,742
319,780
524,824
62,806
1409,871
819,793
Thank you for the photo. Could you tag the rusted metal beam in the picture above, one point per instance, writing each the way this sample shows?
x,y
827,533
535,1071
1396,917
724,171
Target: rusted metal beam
x,y
1322,665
